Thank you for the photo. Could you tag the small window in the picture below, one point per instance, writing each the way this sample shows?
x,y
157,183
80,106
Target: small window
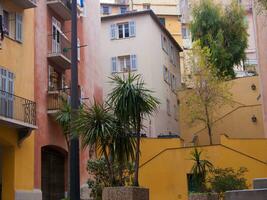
x,y
168,107
162,21
105,10
123,9
13,25
146,6
164,43
185,33
123,30
173,83
124,63
6,22
165,74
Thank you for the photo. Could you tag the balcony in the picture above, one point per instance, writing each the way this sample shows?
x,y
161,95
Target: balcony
x,y
18,113
59,50
61,7
26,4
56,99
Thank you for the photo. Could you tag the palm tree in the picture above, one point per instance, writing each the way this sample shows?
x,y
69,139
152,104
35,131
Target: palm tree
x,y
132,102
97,126
200,169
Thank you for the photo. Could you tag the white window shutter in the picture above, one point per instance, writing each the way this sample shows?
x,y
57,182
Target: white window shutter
x,y
113,64
133,63
113,31
19,22
78,49
132,28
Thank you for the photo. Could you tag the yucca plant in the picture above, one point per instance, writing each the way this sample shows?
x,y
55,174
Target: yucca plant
x,y
132,102
97,126
199,170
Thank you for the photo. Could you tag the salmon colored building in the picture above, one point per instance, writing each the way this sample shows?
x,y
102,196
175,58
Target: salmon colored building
x,y
52,82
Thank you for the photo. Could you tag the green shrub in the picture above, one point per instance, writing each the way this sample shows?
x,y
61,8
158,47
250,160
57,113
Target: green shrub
x,y
225,179
101,177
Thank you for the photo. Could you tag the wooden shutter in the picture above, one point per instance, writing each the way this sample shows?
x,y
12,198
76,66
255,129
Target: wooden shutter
x,y
19,22
113,64
132,28
133,63
113,31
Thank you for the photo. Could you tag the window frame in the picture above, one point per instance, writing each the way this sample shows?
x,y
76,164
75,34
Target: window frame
x,y
123,25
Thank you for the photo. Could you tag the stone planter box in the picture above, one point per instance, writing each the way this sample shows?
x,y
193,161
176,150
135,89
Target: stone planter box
x,y
211,196
125,193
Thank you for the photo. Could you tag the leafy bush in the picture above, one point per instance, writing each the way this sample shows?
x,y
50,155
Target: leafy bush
x,y
101,177
225,179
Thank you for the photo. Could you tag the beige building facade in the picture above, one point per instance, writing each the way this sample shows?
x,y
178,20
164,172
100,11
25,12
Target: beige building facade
x,y
127,45
166,10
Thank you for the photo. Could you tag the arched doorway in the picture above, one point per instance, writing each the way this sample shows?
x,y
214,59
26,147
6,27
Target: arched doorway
x,y
53,173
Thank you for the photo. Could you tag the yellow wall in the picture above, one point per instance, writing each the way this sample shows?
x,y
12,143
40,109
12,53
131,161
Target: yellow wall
x,y
173,26
164,173
233,120
18,162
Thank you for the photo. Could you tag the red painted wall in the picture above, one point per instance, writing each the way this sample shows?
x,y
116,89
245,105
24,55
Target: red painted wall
x,y
48,132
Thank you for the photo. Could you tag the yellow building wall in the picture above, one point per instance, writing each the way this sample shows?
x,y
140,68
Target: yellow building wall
x,y
165,173
18,161
234,120
173,26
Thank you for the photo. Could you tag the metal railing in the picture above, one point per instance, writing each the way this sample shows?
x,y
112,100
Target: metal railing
x,y
17,108
59,44
56,99
66,3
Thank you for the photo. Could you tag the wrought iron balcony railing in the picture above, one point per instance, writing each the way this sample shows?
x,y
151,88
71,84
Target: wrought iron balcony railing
x,y
17,111
59,50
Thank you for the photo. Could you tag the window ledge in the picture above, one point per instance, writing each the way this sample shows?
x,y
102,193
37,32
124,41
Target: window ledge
x,y
12,39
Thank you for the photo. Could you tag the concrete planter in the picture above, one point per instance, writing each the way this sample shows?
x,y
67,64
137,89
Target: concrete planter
x,y
211,196
125,193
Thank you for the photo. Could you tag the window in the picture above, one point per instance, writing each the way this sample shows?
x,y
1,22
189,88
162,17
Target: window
x,y
6,22
123,9
56,79
165,74
162,21
164,43
105,10
168,107
12,25
123,30
124,63
173,83
171,54
146,6
185,33
6,85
